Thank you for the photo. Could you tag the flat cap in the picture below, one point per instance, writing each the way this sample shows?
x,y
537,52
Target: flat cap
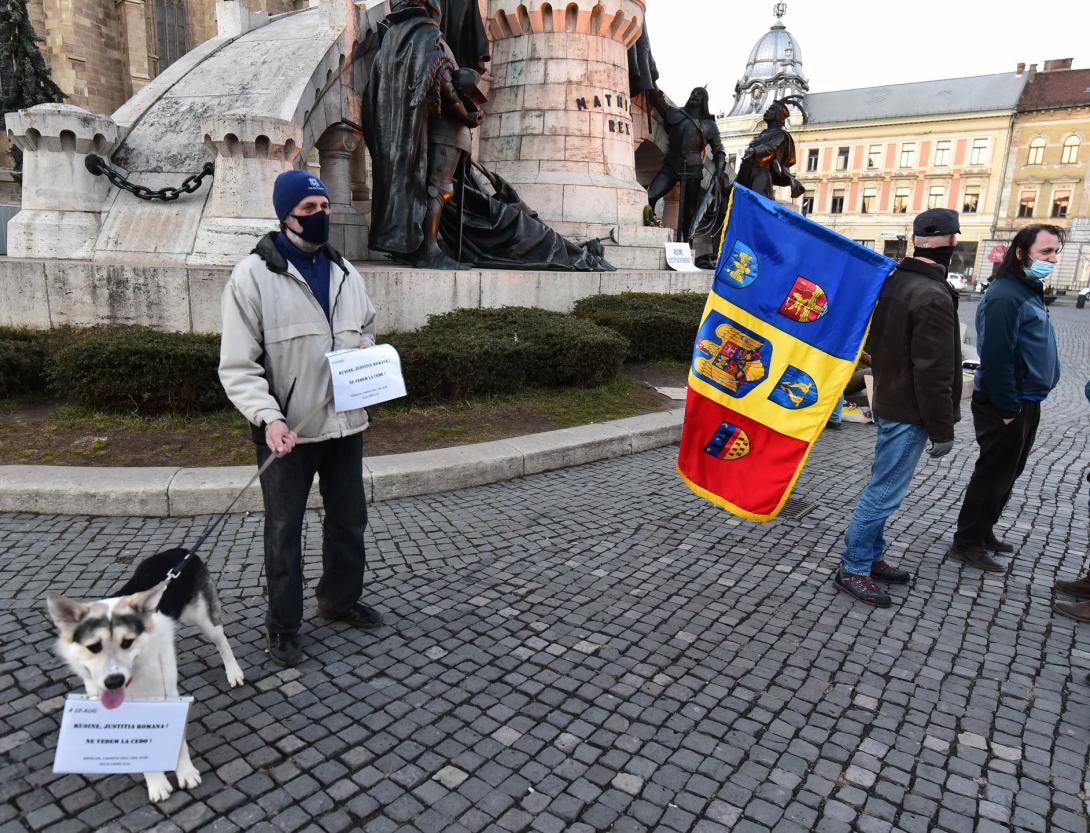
x,y
936,222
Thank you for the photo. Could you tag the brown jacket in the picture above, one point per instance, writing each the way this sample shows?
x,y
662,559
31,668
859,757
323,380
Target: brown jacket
x,y
915,346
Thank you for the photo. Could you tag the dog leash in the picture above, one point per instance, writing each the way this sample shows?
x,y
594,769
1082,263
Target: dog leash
x,y
177,569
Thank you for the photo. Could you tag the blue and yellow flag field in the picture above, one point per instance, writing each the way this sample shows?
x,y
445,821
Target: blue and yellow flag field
x,y
781,334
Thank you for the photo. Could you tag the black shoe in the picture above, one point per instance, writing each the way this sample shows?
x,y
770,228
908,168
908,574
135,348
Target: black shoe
x,y
835,426
995,545
975,556
359,615
884,571
862,587
284,649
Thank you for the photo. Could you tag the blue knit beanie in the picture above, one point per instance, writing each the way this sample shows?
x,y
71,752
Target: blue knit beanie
x,y
292,187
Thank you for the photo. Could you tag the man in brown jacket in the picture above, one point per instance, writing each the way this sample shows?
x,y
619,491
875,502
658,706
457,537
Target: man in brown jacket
x,y
916,361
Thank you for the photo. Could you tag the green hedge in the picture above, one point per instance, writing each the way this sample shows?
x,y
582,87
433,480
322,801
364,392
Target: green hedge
x,y
656,325
22,360
476,352
138,370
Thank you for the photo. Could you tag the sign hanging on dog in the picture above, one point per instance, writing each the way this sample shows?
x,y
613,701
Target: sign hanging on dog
x,y
137,736
365,377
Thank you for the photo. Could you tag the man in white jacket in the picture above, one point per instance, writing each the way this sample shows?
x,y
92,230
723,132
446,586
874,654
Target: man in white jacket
x,y
285,306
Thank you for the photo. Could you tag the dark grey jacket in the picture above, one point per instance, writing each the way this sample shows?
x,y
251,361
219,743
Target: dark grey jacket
x,y
915,348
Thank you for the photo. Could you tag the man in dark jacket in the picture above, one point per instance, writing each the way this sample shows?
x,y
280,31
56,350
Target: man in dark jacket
x,y
916,361
1019,367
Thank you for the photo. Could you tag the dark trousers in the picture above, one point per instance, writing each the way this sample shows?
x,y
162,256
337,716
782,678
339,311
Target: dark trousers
x,y
284,487
1004,450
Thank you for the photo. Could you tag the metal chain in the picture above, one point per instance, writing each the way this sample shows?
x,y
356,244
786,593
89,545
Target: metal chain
x,y
97,166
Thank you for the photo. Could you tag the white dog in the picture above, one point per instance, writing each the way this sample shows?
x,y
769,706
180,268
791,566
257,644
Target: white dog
x,y
125,644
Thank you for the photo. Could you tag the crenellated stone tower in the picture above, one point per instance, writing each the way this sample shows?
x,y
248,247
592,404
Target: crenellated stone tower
x,y
560,121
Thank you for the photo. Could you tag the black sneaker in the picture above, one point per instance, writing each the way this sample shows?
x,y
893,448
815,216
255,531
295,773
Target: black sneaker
x,y
975,556
884,571
359,615
862,587
284,649
995,545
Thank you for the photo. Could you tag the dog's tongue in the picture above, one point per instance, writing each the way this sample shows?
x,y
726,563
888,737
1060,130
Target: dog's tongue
x,y
111,698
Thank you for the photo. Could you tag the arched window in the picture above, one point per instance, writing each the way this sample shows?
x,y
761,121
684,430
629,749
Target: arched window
x,y
1036,152
171,41
1070,154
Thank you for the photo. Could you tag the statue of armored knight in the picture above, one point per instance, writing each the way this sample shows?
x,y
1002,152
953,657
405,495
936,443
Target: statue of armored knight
x,y
768,159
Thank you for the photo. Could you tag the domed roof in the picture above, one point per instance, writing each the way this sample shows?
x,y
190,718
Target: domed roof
x,y
774,70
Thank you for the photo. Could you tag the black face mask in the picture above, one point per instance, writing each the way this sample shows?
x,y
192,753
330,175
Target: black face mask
x,y
315,227
939,254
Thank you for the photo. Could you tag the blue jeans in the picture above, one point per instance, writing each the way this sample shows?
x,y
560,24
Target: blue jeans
x,y
897,450
835,416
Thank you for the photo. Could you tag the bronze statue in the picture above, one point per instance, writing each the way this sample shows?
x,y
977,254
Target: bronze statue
x,y
416,126
427,204
690,129
463,30
770,156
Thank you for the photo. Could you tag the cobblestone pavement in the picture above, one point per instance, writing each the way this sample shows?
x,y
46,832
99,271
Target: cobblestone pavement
x,y
597,649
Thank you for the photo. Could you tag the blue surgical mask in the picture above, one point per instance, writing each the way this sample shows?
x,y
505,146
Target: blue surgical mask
x,y
1039,269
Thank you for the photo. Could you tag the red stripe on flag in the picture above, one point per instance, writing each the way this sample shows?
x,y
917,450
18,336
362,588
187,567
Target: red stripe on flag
x,y
734,461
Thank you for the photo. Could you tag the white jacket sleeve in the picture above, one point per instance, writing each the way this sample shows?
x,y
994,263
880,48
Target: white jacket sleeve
x,y
241,346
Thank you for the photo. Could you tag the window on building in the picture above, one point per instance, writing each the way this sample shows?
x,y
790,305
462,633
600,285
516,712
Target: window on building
x,y
170,31
1026,202
812,159
1060,201
732,160
936,196
979,153
971,203
942,153
842,159
900,201
837,206
908,154
1070,154
869,202
868,243
808,203
874,157
1036,155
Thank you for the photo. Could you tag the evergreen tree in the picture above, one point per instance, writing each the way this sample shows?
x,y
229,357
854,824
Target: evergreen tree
x,y
25,79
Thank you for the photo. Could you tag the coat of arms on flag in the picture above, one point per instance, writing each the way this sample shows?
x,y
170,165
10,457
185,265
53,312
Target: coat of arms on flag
x,y
781,333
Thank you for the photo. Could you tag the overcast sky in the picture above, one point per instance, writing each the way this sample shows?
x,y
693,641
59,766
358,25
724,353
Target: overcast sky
x,y
860,43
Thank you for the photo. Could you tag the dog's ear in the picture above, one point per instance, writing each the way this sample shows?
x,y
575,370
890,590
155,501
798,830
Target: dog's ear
x,y
64,612
147,601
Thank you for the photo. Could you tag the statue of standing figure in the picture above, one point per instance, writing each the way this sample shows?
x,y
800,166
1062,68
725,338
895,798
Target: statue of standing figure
x,y
417,128
769,158
689,129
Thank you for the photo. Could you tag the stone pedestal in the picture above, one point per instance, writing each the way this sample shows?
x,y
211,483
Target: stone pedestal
x,y
250,153
559,118
336,152
62,201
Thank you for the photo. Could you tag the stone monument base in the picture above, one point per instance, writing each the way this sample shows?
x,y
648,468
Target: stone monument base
x,y
45,293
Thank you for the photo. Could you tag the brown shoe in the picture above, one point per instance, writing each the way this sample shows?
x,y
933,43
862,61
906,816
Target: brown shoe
x,y
995,545
1080,587
1079,611
975,556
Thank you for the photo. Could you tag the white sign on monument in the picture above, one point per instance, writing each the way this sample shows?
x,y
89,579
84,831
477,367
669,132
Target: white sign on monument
x,y
137,736
365,377
679,257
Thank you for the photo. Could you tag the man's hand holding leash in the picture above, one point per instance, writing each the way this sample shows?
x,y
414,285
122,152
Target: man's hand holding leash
x,y
280,440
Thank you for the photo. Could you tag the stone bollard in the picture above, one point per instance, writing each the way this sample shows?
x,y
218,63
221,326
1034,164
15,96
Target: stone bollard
x,y
250,153
62,201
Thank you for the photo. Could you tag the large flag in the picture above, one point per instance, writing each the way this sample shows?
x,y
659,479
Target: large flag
x,y
781,334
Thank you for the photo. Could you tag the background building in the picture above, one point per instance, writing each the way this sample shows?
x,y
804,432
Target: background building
x,y
1049,164
1004,150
